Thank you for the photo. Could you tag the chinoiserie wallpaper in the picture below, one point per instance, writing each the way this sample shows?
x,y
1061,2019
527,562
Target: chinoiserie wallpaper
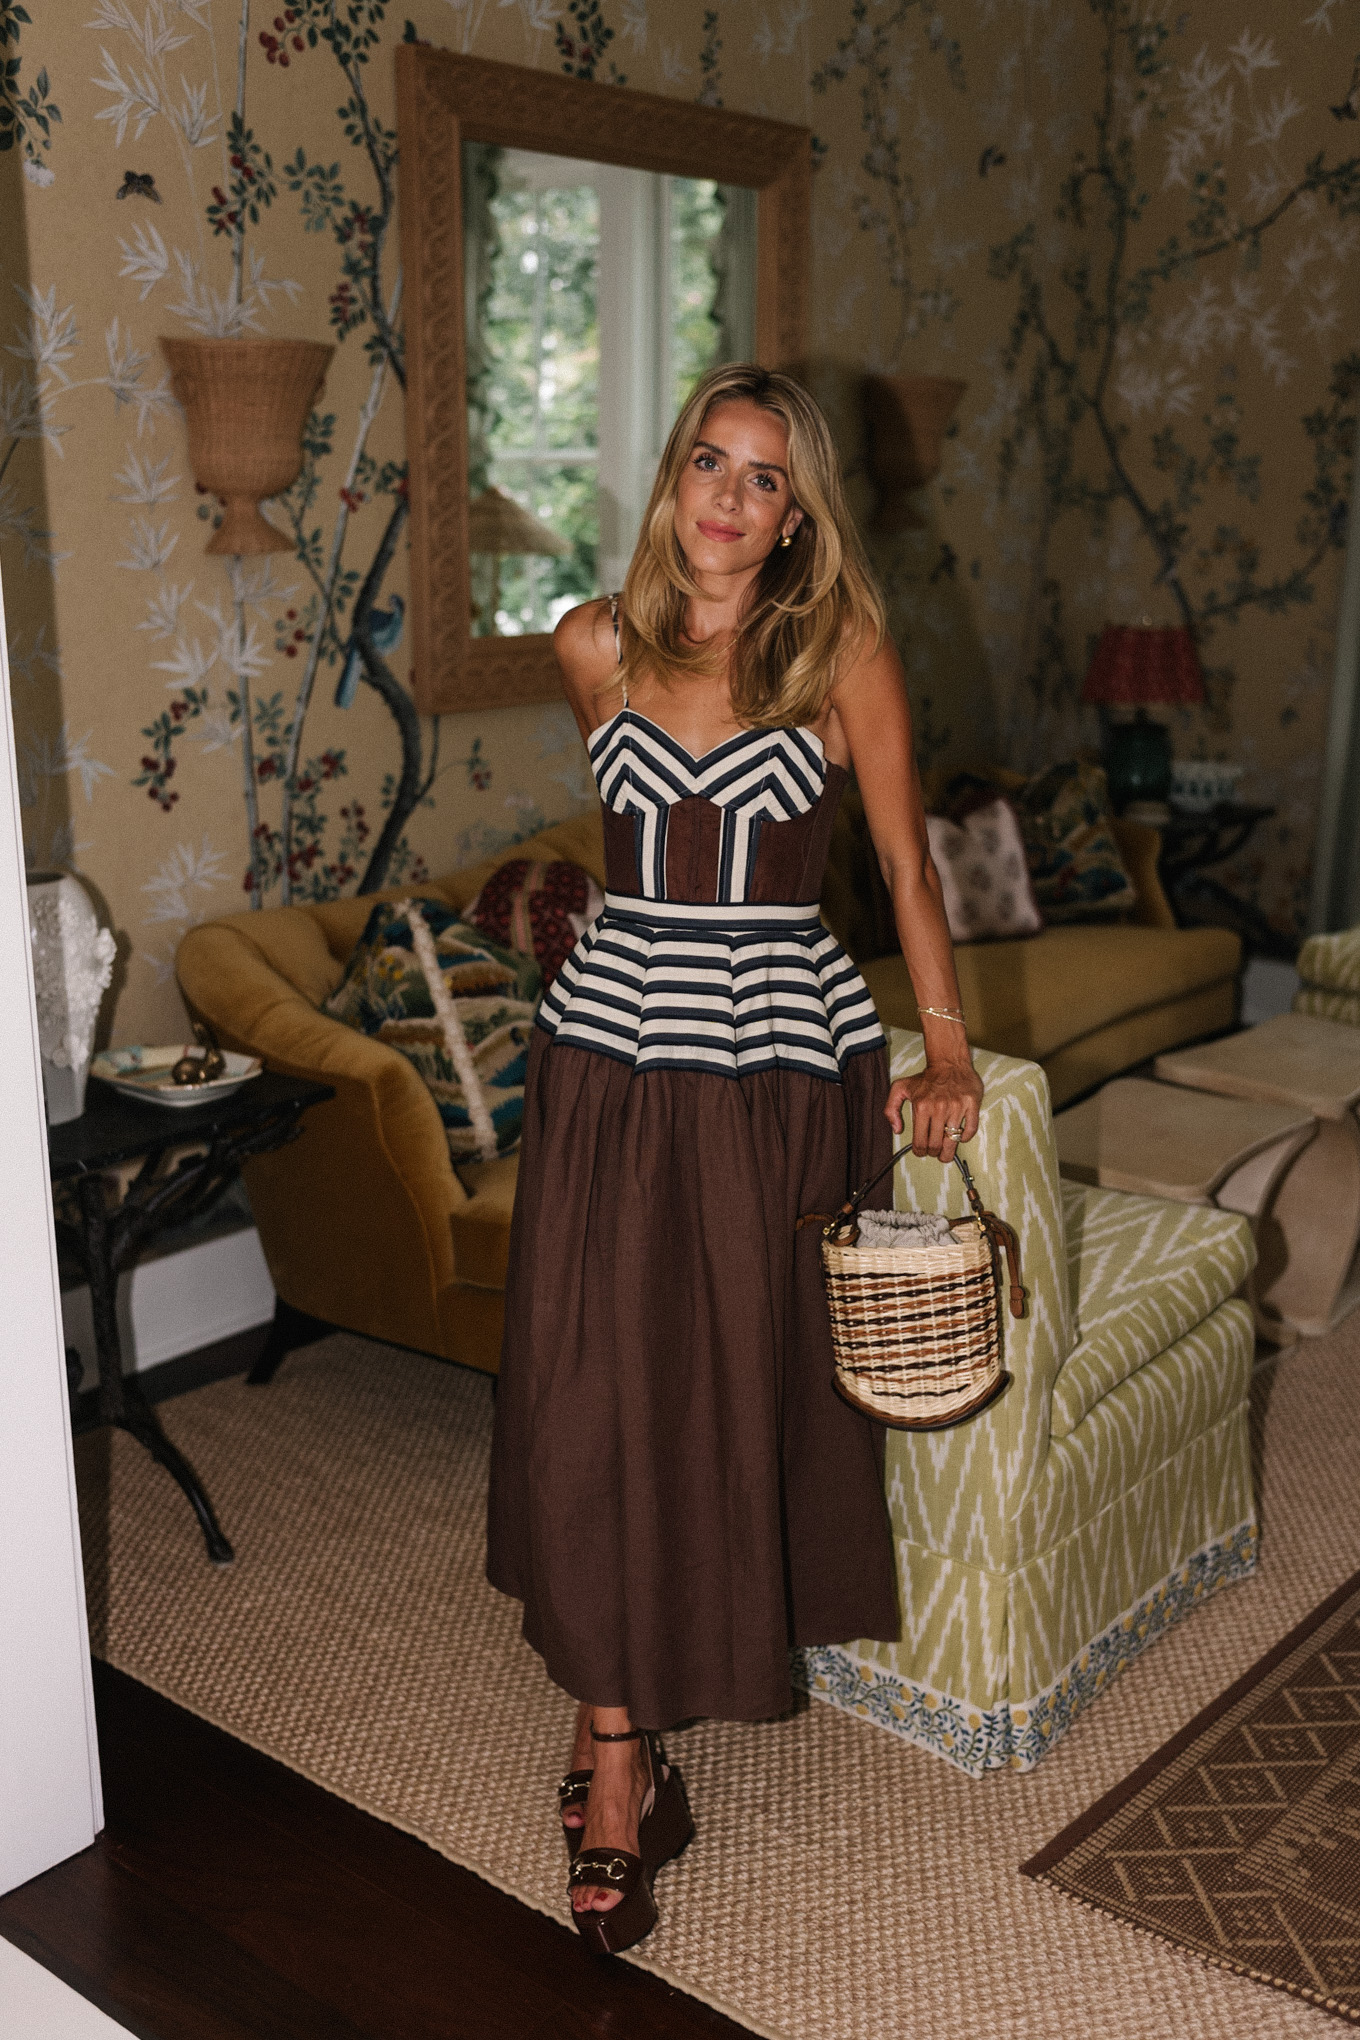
x,y
1131,229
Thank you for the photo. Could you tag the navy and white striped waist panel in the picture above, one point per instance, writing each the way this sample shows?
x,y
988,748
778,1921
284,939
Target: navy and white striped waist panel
x,y
726,988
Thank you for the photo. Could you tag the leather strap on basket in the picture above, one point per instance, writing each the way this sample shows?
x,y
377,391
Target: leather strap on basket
x,y
1000,1237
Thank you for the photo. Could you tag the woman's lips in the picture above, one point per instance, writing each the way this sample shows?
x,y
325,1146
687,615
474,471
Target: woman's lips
x,y
724,533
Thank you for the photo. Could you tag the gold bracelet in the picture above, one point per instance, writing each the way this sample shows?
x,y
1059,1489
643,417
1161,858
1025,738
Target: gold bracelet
x,y
944,1013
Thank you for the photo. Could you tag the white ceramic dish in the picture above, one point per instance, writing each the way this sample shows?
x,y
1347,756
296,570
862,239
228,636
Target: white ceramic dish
x,y
1198,785
145,1073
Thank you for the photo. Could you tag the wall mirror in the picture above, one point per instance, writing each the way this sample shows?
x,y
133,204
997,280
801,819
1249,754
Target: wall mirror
x,y
576,256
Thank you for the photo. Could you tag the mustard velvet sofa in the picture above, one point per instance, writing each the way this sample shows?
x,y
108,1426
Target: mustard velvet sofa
x,y
364,1222
1084,1001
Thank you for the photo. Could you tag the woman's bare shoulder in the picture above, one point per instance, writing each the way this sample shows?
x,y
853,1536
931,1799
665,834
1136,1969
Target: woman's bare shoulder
x,y
584,640
863,650
587,658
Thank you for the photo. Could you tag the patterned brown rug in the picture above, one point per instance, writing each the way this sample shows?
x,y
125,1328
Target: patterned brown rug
x,y
1240,1838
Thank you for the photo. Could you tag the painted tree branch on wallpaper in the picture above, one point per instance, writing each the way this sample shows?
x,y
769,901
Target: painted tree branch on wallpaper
x,y
361,232
1073,345
887,204
339,624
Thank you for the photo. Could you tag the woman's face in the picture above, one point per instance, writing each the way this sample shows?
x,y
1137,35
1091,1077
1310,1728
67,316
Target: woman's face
x,y
734,503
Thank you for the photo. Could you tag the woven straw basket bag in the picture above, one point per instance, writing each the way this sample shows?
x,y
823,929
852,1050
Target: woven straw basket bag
x,y
916,1331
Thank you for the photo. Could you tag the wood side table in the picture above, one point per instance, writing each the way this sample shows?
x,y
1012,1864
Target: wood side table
x,y
186,1156
1158,1140
1307,1277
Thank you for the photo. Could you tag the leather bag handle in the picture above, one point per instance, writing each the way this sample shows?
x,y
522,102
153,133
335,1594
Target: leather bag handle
x,y
1001,1238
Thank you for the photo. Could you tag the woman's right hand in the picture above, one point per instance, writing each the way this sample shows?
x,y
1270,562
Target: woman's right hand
x,y
945,1097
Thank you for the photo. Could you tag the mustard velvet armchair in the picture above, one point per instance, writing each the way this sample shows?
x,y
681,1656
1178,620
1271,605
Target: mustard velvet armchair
x,y
363,1221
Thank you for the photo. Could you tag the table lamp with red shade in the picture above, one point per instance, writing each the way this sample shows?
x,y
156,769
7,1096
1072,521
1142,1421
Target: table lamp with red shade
x,y
1140,666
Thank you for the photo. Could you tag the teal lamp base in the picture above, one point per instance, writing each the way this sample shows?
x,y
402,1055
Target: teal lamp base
x,y
1137,761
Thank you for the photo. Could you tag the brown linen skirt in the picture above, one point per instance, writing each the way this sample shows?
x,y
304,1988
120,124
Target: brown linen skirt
x,y
677,1493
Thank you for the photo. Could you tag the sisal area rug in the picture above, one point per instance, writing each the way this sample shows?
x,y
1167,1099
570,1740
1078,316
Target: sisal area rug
x,y
842,1884
1240,1839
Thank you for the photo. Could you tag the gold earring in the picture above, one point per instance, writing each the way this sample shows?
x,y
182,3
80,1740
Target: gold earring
x,y
787,539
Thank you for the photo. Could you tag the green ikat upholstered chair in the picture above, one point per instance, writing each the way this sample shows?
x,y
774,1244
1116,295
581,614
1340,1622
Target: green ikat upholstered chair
x,y
1046,1542
1329,977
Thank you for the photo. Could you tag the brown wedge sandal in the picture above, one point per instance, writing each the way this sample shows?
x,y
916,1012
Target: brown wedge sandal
x,y
573,1791
664,1828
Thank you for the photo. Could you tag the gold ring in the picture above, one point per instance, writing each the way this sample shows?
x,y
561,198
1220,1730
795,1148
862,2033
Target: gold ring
x,y
954,1131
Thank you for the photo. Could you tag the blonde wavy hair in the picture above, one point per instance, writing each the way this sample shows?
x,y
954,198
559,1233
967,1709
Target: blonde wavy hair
x,y
813,602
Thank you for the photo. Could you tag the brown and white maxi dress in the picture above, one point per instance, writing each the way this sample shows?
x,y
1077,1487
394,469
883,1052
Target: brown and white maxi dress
x,y
678,1495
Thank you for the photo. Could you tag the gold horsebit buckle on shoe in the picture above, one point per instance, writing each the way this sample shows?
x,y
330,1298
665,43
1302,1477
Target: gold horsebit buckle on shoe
x,y
614,1871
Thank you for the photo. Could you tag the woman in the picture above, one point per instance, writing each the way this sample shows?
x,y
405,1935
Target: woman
x,y
678,1495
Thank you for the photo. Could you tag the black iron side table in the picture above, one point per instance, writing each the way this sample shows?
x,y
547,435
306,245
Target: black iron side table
x,y
114,1130
1191,844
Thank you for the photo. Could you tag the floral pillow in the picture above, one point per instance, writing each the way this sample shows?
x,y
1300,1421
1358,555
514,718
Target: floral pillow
x,y
459,1007
1074,860
540,910
984,874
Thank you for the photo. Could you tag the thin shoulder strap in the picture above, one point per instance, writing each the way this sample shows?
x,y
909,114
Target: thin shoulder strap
x,y
618,644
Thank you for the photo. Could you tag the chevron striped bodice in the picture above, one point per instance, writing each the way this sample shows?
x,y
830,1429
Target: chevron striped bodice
x,y
758,776
710,953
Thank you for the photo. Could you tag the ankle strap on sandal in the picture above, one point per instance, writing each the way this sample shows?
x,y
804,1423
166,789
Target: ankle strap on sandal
x,y
624,1735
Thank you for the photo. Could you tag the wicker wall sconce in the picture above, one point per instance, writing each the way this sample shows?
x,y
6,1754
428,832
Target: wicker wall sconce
x,y
245,403
905,417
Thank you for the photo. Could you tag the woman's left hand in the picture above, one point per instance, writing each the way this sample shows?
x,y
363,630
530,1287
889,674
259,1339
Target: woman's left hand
x,y
944,1103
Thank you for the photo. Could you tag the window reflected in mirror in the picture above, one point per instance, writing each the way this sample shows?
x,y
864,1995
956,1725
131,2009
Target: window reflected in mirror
x,y
596,297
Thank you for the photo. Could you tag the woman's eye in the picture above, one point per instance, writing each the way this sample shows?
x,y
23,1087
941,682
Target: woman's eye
x,y
766,481
705,460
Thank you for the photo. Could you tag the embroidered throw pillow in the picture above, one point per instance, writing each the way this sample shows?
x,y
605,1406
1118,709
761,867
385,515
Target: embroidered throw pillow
x,y
964,792
1074,860
983,873
538,909
458,1006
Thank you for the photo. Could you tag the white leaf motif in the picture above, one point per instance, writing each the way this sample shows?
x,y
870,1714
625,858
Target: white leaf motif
x,y
146,259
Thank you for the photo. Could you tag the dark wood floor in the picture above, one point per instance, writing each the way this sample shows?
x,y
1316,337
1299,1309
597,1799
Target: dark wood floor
x,y
227,1897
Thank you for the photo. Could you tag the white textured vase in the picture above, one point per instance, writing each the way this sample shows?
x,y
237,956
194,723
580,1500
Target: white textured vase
x,y
72,964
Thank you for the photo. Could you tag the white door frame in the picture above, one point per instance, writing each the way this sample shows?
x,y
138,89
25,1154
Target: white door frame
x,y
51,1804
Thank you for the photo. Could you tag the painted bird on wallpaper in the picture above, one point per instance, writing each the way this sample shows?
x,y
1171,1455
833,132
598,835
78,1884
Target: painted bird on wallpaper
x,y
384,628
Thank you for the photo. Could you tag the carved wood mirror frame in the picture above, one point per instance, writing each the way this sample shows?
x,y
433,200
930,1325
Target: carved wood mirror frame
x,y
443,100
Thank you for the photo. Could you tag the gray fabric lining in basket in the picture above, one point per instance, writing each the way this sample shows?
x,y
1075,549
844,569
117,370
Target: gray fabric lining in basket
x,y
886,1230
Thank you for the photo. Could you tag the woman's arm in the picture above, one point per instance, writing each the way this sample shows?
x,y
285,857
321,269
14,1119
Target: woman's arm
x,y
588,662
870,706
